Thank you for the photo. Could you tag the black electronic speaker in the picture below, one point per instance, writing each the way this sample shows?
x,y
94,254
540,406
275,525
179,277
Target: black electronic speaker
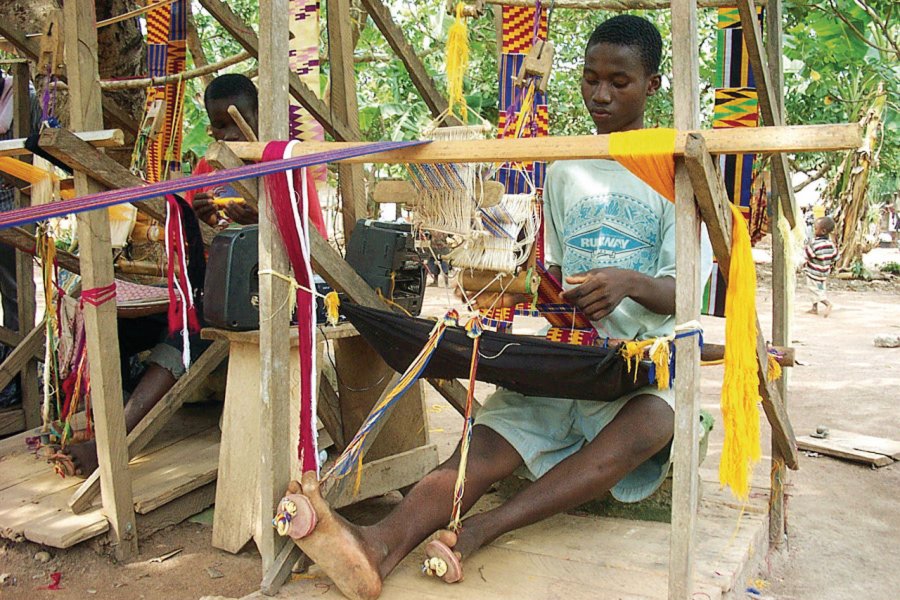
x,y
231,289
384,254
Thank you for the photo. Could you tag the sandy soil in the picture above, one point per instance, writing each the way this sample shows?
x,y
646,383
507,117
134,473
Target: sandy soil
x,y
843,518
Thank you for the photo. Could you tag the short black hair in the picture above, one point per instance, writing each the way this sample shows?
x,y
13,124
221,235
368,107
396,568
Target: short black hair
x,y
232,85
631,30
827,223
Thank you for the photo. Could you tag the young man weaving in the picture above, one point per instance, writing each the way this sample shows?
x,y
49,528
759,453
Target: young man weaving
x,y
575,451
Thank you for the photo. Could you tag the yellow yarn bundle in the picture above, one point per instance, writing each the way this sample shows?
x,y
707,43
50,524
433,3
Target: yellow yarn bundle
x,y
740,388
457,62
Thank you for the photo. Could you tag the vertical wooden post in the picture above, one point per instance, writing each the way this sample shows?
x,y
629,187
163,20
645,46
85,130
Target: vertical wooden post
x,y
345,107
782,269
686,446
97,272
274,316
28,384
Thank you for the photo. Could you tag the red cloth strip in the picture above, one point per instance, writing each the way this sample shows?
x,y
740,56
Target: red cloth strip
x,y
98,296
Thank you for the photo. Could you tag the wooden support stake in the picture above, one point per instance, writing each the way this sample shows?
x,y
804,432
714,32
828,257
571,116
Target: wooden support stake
x,y
25,291
245,36
18,360
420,77
96,258
686,443
708,187
782,278
155,420
769,105
345,106
239,120
274,316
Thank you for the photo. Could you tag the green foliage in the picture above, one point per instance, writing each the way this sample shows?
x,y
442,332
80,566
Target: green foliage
x,y
892,267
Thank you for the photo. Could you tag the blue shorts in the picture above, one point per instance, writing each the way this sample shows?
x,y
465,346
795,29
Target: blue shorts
x,y
546,431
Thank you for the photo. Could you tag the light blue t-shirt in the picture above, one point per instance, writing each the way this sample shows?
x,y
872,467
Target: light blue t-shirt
x,y
597,214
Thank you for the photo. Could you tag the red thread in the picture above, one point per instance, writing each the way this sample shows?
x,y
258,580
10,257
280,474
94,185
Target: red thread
x,y
55,578
181,299
98,296
281,209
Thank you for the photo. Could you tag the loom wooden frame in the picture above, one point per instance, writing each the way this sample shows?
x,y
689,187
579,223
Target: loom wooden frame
x,y
695,176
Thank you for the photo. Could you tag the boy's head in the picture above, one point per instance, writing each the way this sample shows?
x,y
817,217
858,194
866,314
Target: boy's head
x,y
621,70
224,91
824,226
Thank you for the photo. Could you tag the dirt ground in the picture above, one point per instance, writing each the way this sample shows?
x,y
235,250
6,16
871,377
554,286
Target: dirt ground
x,y
843,518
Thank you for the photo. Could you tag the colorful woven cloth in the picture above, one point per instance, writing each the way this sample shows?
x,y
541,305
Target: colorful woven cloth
x,y
166,49
303,57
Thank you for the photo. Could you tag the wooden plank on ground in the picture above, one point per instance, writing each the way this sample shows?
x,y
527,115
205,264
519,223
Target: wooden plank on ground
x,y
245,36
156,419
853,446
707,188
85,113
177,510
769,104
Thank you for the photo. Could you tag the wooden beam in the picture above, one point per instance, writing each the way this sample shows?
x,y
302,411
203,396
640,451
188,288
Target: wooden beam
x,y
25,290
688,287
103,138
782,277
617,5
32,345
274,316
22,240
704,177
420,77
85,113
30,49
155,420
65,146
245,36
769,106
345,106
796,138
9,336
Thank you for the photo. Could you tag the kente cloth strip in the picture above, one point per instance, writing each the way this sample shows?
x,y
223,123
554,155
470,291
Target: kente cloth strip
x,y
32,214
529,365
166,50
303,58
736,105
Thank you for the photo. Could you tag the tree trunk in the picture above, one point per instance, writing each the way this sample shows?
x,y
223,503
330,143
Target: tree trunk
x,y
121,46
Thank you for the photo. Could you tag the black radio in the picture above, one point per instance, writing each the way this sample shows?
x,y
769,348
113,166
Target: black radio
x,y
384,254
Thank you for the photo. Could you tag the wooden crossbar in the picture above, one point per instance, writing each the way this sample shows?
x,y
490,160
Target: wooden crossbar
x,y
104,138
763,140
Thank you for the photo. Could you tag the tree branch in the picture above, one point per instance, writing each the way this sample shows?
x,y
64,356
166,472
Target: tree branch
x,y
195,47
128,84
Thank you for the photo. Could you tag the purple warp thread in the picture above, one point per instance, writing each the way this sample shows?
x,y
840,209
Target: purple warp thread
x,y
31,214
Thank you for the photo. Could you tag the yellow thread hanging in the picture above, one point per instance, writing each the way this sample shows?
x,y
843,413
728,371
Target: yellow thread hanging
x,y
633,352
659,354
457,62
30,173
740,388
650,155
332,304
773,373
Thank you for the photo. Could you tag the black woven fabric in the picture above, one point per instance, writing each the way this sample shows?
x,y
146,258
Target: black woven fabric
x,y
526,364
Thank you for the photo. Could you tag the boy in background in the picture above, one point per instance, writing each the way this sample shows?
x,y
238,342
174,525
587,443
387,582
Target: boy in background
x,y
821,254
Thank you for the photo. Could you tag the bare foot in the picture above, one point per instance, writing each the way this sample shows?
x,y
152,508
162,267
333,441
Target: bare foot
x,y
827,310
84,456
813,311
338,547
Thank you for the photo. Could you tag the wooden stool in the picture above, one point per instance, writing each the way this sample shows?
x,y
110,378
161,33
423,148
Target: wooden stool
x,y
401,456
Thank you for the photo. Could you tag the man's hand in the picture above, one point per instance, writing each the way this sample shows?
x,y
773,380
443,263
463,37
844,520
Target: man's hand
x,y
204,208
599,291
241,213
